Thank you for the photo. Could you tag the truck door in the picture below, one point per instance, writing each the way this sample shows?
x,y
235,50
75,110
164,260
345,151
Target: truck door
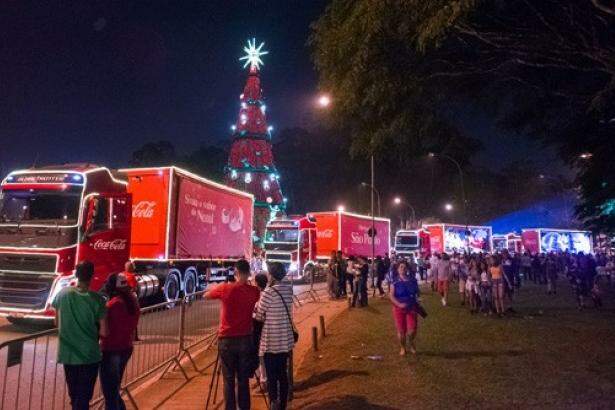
x,y
105,238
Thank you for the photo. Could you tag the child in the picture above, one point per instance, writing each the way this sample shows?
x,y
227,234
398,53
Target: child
x,y
596,294
260,280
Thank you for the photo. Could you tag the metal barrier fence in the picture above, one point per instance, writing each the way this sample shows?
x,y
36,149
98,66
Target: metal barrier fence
x,y
169,334
31,378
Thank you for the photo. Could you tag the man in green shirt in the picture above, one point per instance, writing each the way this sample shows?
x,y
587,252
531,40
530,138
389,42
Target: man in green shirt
x,y
80,316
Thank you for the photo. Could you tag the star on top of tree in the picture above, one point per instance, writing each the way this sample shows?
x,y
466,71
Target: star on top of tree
x,y
253,54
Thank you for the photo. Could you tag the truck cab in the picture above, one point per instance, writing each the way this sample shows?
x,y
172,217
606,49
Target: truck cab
x,y
50,220
291,241
407,243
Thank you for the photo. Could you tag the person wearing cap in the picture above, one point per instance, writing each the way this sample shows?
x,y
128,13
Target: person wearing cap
x,y
277,337
122,321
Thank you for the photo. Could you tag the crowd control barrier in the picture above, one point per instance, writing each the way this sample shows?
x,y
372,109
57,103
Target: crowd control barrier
x,y
169,334
31,378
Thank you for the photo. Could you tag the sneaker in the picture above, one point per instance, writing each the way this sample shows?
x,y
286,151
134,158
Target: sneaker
x,y
443,302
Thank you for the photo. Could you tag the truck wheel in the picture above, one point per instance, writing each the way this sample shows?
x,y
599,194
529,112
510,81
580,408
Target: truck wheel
x,y
171,287
190,282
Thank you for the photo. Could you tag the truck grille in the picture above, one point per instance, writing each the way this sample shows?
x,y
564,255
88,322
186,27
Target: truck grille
x,y
27,263
279,257
25,291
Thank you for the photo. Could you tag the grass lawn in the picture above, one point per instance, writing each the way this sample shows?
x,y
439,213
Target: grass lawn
x,y
547,355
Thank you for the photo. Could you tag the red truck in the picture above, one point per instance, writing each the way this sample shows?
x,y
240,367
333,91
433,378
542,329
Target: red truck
x,y
178,229
305,243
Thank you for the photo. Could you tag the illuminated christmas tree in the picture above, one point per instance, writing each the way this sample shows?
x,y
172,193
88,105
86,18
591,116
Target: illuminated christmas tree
x,y
250,164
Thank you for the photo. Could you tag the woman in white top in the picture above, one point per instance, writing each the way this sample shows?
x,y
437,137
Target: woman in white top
x,y
277,340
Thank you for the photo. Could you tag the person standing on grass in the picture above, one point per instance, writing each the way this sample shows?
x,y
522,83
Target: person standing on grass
x,y
444,274
462,274
122,320
484,288
277,339
497,285
381,272
235,344
404,298
432,271
80,317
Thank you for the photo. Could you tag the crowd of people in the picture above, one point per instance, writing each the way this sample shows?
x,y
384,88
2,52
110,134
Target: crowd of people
x,y
256,334
486,282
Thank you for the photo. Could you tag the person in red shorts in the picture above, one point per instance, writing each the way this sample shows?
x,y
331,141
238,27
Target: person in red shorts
x,y
404,297
235,344
444,273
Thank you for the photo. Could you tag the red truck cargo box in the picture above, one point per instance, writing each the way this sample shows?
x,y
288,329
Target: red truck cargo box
x,y
179,215
349,233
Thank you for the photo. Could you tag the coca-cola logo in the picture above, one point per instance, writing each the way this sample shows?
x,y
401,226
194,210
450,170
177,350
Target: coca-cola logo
x,y
325,234
144,209
112,245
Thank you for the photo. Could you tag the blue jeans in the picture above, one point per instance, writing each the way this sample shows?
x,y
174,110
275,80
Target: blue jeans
x,y
111,372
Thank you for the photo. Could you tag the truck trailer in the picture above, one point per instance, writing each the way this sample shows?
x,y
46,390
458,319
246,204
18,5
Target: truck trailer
x,y
304,243
178,228
451,238
545,240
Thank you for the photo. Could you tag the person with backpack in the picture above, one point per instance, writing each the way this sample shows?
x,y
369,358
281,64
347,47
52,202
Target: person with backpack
x,y
122,319
80,317
278,336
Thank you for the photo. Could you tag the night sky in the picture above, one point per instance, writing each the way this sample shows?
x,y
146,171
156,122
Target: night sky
x,y
93,81
89,81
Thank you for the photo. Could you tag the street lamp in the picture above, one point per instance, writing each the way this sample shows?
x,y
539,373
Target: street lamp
x,y
324,101
448,207
463,191
585,155
399,201
341,208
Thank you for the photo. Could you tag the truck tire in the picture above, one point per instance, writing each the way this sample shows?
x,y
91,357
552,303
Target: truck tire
x,y
172,287
190,281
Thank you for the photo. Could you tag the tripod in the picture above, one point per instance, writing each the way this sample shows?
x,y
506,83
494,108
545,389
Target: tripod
x,y
215,382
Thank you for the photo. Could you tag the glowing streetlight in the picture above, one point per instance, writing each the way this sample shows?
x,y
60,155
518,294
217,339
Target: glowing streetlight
x,y
448,207
397,200
585,155
341,208
324,101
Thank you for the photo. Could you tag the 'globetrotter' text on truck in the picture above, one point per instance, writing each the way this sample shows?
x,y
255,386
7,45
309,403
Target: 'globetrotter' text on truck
x,y
305,243
178,228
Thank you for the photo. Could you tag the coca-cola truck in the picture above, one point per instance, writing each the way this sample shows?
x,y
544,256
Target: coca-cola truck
x,y
177,227
291,240
304,243
411,242
452,238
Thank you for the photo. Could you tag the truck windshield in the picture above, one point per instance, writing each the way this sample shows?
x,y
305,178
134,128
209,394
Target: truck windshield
x,y
282,235
407,240
39,207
